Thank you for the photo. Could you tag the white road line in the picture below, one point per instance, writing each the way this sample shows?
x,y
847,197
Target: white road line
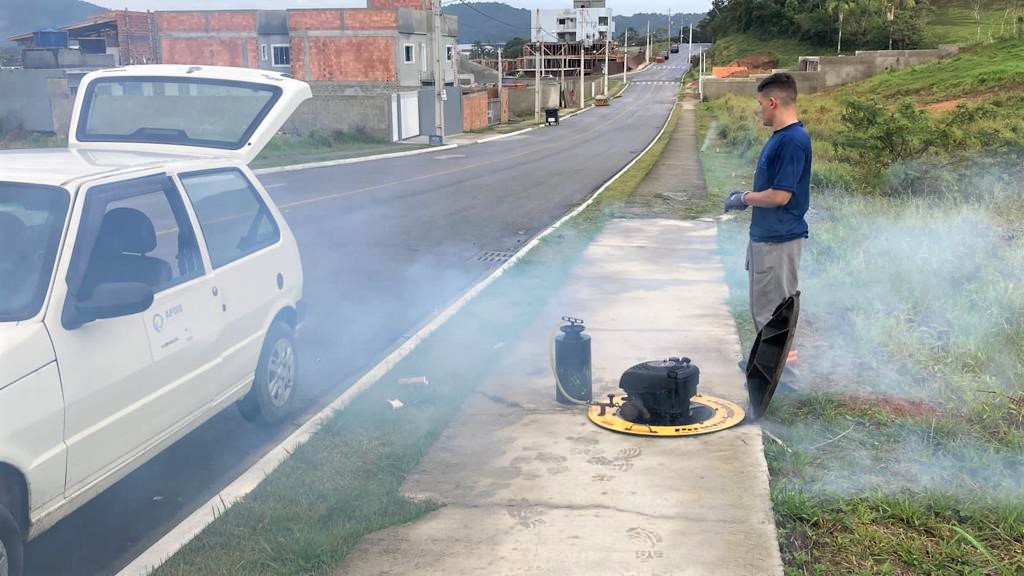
x,y
192,526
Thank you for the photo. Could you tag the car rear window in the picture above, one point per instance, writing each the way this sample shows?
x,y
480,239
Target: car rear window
x,y
189,112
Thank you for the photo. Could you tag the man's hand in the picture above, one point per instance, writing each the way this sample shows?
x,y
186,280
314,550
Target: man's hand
x,y
735,202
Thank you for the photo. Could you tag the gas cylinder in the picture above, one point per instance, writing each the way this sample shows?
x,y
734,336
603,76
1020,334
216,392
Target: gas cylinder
x,y
573,377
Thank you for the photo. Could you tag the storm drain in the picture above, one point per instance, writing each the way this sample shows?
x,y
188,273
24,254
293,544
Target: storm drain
x,y
494,256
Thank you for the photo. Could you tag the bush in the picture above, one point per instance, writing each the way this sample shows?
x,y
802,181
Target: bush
x,y
319,138
831,177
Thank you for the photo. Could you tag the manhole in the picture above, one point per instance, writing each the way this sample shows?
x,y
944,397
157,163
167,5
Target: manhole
x,y
494,256
710,414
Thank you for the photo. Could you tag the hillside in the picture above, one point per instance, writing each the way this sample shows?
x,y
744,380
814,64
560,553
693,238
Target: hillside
x,y
489,21
18,16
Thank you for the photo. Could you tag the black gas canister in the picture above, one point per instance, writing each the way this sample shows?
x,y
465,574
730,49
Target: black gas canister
x,y
573,376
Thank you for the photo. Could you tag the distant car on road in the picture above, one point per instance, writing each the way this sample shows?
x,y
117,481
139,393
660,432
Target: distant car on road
x,y
147,281
674,49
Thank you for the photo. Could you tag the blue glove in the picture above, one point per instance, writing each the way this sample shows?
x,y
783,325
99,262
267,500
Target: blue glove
x,y
735,202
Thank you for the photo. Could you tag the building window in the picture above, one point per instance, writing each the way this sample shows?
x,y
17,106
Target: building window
x,y
282,54
410,54
602,21
450,52
263,52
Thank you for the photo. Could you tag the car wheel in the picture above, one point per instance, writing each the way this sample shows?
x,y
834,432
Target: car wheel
x,y
273,390
10,545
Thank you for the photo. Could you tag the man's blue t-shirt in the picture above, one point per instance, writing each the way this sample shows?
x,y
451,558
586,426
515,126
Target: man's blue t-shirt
x,y
785,164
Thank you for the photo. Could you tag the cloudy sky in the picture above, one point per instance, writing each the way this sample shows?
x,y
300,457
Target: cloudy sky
x,y
624,7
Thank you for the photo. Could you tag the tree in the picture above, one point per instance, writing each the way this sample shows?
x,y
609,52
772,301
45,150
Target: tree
x,y
477,52
514,48
634,36
840,7
977,5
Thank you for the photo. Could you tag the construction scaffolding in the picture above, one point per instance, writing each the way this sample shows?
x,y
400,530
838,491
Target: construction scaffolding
x,y
562,59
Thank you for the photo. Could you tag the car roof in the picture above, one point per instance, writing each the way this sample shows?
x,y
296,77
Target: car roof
x,y
59,166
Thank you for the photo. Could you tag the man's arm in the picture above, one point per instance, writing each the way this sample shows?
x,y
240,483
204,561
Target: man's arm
x,y
770,198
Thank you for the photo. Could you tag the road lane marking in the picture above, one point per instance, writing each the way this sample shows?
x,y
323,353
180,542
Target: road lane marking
x,y
535,150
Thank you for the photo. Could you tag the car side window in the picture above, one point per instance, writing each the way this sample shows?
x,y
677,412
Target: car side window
x,y
136,231
234,219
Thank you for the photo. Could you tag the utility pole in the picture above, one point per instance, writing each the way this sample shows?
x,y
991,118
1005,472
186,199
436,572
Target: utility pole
x,y
501,80
536,68
670,29
625,56
438,73
583,89
607,49
647,47
689,49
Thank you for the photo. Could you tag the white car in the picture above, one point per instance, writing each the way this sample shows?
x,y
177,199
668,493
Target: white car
x,y
147,281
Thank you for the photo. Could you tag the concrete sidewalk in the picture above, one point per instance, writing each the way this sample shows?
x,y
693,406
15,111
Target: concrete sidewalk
x,y
531,487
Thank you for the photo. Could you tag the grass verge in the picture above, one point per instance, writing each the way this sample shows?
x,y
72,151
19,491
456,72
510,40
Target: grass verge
x,y
318,146
902,451
788,50
345,482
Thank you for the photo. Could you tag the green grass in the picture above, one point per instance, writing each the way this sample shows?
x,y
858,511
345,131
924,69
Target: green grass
x,y
953,21
345,482
318,146
734,46
903,453
989,70
19,139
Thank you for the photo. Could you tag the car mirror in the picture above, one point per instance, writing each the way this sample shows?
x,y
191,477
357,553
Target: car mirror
x,y
113,300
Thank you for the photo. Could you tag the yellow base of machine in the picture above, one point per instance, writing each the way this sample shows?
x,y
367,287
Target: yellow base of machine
x,y
726,415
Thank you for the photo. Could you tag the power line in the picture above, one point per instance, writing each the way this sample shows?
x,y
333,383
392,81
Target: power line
x,y
482,13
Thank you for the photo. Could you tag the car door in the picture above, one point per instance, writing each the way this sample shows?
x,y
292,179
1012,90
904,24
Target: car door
x,y
130,381
254,260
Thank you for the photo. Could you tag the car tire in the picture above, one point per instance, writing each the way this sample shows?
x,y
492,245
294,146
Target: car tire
x,y
273,389
11,546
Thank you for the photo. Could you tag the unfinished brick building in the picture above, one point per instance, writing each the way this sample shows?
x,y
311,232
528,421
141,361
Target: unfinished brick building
x,y
358,60
371,69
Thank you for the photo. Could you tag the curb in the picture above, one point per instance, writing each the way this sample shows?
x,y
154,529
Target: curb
x,y
328,163
153,557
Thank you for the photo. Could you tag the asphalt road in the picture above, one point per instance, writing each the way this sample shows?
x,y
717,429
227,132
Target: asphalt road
x,y
386,244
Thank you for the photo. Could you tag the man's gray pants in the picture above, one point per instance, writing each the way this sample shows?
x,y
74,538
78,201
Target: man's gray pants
x,y
773,270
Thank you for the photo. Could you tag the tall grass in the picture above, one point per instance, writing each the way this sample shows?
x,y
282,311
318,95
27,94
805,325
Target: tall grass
x,y
902,452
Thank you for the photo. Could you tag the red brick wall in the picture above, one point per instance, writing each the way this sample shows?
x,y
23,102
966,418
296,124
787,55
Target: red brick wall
x,y
381,4
314,20
474,111
135,37
253,48
232,21
207,51
362,19
180,22
355,59
298,59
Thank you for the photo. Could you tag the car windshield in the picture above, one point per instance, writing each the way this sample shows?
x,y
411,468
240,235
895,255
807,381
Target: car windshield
x,y
188,112
31,221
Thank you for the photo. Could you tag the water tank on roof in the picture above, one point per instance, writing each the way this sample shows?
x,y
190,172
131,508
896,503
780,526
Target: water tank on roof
x,y
50,38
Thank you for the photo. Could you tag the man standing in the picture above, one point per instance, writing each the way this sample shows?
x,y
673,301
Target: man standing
x,y
780,197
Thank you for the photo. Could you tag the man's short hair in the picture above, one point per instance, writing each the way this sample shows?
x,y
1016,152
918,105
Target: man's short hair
x,y
781,85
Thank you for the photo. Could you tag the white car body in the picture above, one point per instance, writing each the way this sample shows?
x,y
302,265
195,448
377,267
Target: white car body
x,y
82,404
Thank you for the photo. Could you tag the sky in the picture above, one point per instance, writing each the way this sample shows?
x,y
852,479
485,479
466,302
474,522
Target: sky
x,y
622,7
